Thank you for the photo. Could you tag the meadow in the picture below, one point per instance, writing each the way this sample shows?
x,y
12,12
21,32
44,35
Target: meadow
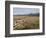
x,y
25,22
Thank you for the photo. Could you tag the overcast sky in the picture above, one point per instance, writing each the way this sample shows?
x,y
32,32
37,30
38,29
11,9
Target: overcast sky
x,y
23,11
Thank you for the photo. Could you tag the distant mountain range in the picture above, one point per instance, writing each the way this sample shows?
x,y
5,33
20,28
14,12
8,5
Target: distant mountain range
x,y
32,14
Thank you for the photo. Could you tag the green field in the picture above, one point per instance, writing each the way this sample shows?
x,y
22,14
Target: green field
x,y
25,22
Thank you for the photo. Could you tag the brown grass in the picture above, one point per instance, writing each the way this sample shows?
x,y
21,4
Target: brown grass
x,y
25,22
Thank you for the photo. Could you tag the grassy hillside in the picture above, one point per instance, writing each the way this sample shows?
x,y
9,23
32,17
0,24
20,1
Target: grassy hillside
x,y
25,22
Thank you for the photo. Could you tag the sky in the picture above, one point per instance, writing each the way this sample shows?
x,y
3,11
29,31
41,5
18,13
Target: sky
x,y
24,11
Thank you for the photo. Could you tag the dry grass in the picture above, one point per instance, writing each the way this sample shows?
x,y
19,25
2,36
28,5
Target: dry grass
x,y
26,22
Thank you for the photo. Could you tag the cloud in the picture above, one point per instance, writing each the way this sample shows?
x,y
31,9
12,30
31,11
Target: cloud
x,y
22,11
